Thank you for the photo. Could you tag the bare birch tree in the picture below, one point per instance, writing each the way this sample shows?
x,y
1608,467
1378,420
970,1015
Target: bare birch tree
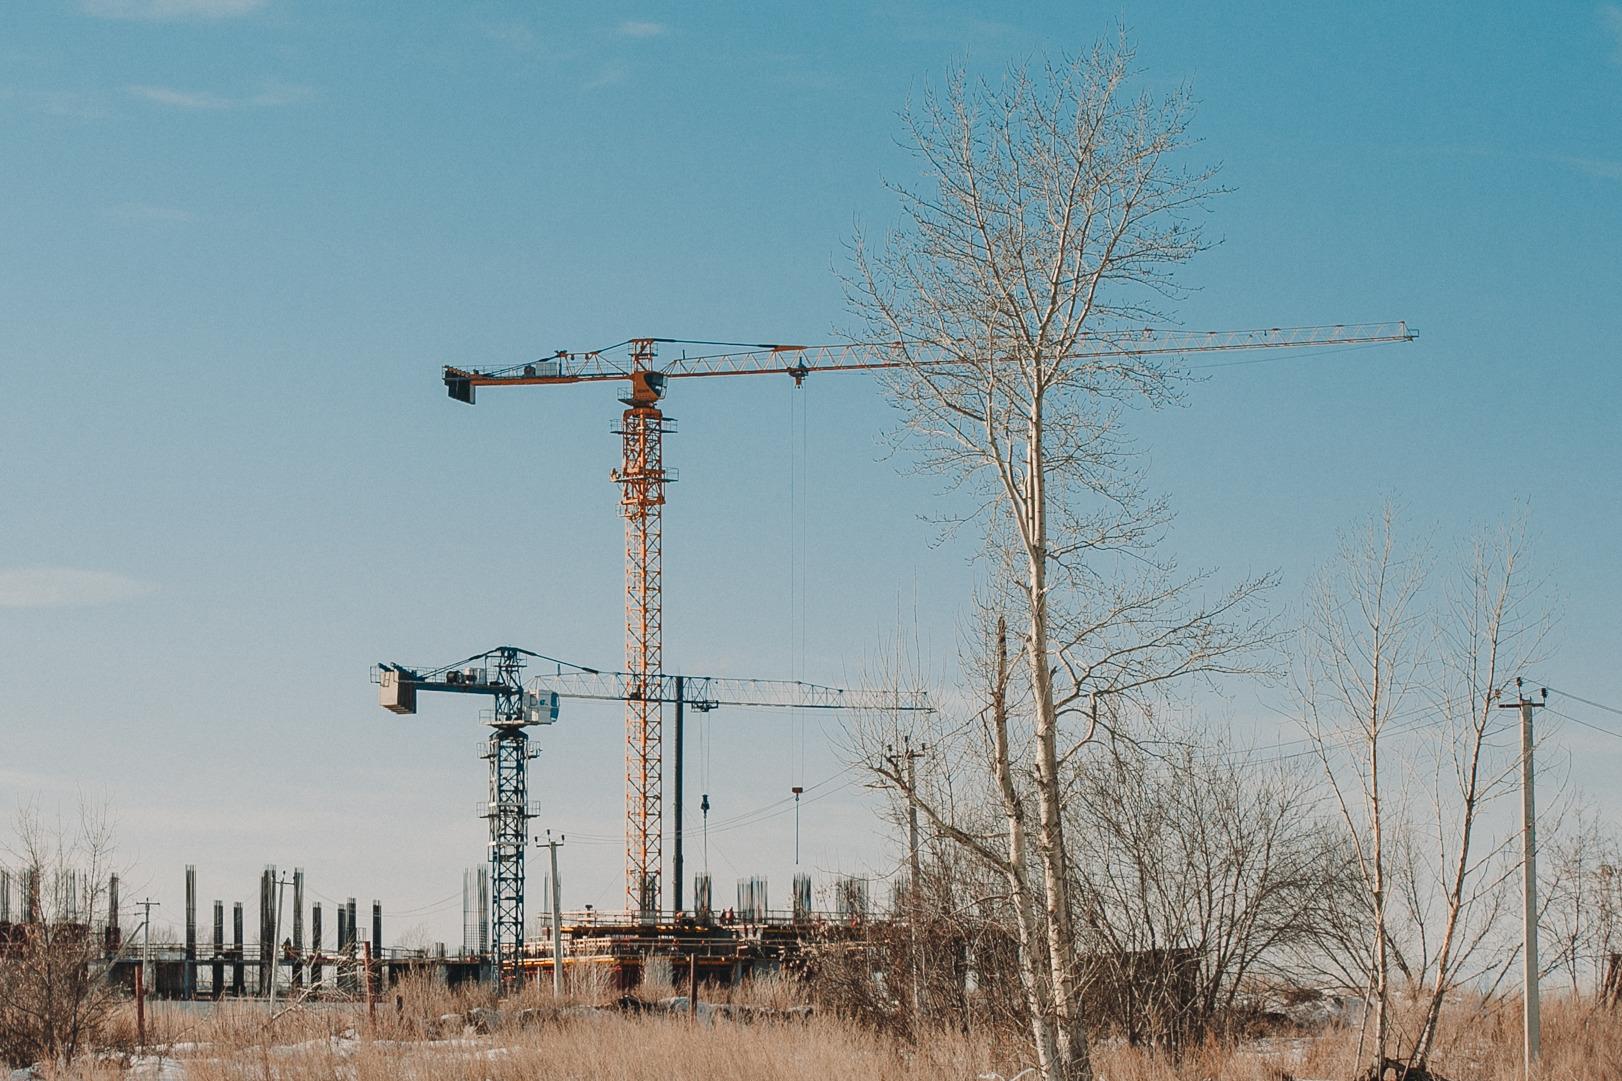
x,y
1492,627
1053,213
1362,658
1582,900
1003,846
1382,658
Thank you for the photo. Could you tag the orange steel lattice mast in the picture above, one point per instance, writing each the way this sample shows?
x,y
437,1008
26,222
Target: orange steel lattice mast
x,y
642,477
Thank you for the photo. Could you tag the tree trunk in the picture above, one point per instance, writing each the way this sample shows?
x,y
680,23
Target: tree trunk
x,y
1030,978
1068,1013
1377,890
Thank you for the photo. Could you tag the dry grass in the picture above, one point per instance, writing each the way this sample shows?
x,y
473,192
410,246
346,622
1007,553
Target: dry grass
x,y
1478,1042
232,1042
618,1047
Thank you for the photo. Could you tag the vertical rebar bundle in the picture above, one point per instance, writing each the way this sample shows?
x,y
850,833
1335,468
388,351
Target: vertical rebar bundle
x,y
850,899
469,908
484,911
701,896
802,898
752,899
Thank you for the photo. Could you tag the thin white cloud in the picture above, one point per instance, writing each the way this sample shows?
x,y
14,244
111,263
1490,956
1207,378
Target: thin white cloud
x,y
637,28
269,95
159,10
516,35
273,93
608,75
1600,167
67,587
180,99
1610,19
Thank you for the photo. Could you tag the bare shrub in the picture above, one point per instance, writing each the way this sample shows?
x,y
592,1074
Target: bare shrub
x,y
55,1000
1202,870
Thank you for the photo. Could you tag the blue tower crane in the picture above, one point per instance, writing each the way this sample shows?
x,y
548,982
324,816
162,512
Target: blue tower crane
x,y
497,674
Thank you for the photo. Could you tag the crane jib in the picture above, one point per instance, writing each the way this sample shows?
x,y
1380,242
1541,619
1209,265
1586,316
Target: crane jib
x,y
799,361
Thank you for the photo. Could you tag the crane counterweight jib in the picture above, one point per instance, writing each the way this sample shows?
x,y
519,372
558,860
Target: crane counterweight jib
x,y
496,673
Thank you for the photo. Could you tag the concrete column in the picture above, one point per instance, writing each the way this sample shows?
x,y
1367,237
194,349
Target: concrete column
x,y
267,928
377,945
188,975
298,926
218,988
115,935
315,943
238,983
353,944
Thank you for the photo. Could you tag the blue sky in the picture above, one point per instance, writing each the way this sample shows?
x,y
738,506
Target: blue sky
x,y
241,236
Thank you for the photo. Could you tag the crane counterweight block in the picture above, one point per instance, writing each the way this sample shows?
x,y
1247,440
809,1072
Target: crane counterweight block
x,y
396,690
459,385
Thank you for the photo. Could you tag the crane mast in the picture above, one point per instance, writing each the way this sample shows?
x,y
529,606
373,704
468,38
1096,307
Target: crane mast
x,y
642,477
497,674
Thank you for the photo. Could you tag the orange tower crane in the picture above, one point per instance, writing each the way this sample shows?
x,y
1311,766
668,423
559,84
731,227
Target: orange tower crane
x,y
642,477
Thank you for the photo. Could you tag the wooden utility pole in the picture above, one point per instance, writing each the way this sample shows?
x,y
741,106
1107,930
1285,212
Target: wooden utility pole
x,y
140,1006
143,975
366,982
906,760
276,940
1529,875
557,916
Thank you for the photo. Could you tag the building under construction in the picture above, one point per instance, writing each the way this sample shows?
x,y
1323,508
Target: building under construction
x,y
297,950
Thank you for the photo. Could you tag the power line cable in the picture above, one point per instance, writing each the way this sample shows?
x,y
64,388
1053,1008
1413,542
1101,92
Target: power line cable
x,y
1585,701
1586,724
